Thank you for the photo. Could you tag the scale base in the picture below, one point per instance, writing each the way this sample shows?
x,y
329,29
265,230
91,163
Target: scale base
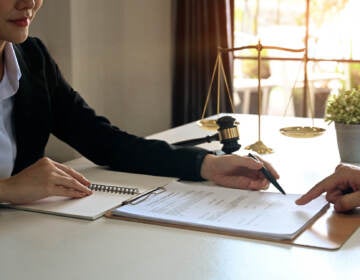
x,y
260,148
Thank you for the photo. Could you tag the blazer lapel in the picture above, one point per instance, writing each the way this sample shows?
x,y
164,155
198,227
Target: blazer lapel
x,y
31,116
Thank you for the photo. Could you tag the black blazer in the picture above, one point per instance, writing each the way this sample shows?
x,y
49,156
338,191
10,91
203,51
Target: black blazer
x,y
45,103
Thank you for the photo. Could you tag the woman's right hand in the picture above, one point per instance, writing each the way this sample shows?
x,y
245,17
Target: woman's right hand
x,y
42,179
235,171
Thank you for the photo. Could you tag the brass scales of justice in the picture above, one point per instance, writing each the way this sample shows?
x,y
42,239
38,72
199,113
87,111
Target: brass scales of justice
x,y
258,146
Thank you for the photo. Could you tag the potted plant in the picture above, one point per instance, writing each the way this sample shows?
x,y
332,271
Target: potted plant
x,y
344,110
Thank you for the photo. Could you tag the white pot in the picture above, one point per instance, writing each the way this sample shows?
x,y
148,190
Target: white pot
x,y
348,139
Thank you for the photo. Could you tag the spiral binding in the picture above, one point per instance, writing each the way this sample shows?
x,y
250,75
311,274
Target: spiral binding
x,y
113,189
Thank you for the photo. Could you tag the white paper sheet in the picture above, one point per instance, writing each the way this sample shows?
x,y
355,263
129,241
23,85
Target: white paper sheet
x,y
262,214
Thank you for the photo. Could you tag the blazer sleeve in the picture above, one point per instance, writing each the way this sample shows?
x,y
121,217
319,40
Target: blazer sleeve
x,y
76,123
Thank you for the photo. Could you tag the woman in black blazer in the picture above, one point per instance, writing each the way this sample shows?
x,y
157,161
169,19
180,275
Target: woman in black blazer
x,y
45,103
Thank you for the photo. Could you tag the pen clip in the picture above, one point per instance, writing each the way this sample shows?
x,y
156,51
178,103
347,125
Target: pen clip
x,y
140,198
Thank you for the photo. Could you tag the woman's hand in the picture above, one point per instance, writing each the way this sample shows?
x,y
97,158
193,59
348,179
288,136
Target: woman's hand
x,y
342,189
236,171
42,179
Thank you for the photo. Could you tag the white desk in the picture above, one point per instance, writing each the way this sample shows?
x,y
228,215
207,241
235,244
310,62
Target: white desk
x,y
40,246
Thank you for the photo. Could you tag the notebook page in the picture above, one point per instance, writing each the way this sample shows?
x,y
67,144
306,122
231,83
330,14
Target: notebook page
x,y
90,207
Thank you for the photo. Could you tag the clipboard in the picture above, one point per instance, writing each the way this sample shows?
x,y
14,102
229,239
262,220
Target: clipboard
x,y
329,231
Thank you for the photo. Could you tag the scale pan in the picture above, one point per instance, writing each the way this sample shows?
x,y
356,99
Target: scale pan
x,y
208,124
302,131
211,124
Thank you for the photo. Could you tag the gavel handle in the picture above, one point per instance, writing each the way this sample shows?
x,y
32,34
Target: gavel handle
x,y
197,141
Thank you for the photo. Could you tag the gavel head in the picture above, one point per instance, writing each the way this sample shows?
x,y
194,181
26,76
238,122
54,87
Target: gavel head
x,y
228,134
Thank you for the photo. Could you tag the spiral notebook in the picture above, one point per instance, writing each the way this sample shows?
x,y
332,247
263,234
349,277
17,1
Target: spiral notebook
x,y
110,189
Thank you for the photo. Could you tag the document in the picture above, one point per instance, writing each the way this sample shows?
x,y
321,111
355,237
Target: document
x,y
242,212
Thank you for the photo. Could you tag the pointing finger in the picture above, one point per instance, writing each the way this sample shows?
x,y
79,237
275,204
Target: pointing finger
x,y
347,202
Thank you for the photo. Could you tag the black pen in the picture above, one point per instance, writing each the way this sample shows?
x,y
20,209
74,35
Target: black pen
x,y
269,176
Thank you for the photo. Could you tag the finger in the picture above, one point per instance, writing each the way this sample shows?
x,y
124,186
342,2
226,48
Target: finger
x,y
268,166
346,167
67,192
71,183
272,170
333,195
262,184
73,173
248,162
339,166
347,202
252,184
241,182
321,187
267,185
310,195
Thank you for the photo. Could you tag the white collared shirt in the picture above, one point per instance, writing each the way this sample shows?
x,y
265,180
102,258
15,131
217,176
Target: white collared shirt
x,y
9,85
